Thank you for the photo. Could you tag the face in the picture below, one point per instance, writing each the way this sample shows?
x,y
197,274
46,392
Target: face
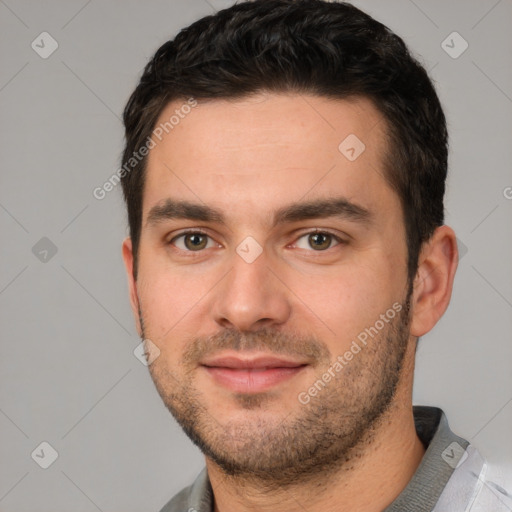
x,y
272,280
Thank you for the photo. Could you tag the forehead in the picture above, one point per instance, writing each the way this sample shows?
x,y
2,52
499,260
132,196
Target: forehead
x,y
256,154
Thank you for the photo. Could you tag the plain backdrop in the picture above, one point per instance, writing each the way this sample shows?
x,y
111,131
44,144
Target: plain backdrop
x,y
69,376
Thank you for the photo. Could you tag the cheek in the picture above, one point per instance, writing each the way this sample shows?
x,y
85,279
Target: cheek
x,y
344,303
168,300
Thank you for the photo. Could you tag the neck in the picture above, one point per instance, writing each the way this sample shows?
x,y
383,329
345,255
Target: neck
x,y
368,482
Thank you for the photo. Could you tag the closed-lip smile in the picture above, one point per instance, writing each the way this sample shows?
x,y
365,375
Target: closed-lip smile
x,y
250,373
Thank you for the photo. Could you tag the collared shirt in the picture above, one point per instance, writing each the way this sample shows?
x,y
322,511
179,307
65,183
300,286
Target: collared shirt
x,y
450,477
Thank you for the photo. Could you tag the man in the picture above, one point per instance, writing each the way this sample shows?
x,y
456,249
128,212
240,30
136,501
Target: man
x,y
284,174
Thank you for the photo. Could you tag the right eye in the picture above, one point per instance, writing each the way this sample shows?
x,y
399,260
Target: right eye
x,y
192,241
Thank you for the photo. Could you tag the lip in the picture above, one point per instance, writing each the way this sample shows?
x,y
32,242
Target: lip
x,y
252,374
256,362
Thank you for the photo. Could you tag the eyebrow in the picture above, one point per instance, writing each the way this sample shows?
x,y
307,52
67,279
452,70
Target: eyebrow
x,y
339,207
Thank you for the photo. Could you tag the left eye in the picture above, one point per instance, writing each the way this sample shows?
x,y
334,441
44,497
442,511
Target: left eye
x,y
192,241
318,240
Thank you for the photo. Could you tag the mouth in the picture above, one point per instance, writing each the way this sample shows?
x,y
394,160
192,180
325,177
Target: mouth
x,y
252,374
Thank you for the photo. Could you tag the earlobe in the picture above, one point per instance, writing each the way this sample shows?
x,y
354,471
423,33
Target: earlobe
x,y
127,250
434,280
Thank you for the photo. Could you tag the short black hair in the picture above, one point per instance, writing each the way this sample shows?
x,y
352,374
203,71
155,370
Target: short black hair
x,y
329,49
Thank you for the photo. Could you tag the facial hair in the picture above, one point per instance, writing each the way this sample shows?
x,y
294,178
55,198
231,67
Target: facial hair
x,y
328,433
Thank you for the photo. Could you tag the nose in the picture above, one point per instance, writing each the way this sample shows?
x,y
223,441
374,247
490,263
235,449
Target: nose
x,y
251,296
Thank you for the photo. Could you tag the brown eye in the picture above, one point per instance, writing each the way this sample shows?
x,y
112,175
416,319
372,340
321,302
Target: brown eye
x,y
192,242
195,241
318,241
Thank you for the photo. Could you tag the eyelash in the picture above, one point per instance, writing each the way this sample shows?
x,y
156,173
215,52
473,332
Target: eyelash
x,y
339,240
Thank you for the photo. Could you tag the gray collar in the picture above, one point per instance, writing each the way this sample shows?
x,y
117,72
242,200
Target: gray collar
x,y
444,450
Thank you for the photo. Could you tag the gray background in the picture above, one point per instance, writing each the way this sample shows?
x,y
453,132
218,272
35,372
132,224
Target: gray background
x,y
68,373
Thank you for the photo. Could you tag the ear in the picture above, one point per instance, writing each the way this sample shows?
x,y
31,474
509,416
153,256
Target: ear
x,y
132,283
433,283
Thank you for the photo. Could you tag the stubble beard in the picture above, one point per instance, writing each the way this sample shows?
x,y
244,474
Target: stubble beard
x,y
327,434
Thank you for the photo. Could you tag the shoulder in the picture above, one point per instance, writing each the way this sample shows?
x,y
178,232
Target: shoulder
x,y
180,502
494,492
473,488
197,497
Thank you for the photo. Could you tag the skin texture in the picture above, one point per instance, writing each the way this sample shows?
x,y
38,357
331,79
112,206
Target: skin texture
x,y
354,442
